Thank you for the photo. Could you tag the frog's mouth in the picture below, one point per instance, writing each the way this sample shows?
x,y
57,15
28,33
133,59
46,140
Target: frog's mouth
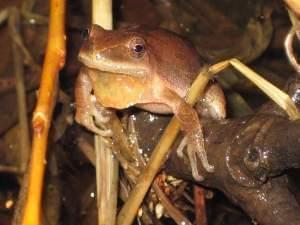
x,y
113,62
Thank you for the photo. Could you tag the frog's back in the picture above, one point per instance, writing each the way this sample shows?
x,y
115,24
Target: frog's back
x,y
177,62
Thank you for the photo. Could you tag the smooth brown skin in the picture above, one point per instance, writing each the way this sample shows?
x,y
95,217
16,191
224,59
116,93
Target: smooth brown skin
x,y
151,69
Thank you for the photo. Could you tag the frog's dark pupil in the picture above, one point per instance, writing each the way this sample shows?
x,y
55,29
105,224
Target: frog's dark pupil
x,y
138,48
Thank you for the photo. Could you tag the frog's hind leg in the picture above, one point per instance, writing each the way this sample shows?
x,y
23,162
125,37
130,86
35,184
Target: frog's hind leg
x,y
278,96
86,107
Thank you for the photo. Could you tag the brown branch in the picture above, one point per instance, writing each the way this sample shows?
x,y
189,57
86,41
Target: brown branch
x,y
249,154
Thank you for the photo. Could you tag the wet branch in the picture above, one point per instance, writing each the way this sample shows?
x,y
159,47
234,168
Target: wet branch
x,y
250,156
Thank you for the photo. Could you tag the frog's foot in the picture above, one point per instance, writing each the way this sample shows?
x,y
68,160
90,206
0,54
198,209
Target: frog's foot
x,y
201,153
89,114
192,157
86,119
100,132
194,140
100,113
194,150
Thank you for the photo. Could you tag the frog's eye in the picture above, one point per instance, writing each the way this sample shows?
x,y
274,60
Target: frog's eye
x,y
85,34
137,47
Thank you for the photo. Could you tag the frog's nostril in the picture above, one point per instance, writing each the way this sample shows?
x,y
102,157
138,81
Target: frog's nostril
x,y
85,34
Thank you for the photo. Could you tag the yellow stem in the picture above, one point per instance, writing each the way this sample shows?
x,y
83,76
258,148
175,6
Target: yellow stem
x,y
54,61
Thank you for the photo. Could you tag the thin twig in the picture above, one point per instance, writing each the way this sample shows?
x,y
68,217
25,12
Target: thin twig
x,y
17,39
87,149
14,25
3,15
102,13
200,206
107,183
9,169
294,20
282,99
54,61
26,10
107,165
172,211
288,46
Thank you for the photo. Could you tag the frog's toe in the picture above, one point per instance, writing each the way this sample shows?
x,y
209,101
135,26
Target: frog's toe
x,y
197,176
103,133
193,162
203,157
104,119
181,147
101,117
101,114
192,155
88,122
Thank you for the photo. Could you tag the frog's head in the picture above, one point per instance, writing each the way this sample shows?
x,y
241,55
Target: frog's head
x,y
120,51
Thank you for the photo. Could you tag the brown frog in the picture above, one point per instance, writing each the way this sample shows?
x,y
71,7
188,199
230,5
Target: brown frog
x,y
148,68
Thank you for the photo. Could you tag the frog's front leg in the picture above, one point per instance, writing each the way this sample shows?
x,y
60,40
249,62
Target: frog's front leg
x,y
86,105
191,125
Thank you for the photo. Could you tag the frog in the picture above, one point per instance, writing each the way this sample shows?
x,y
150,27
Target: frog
x,y
149,68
